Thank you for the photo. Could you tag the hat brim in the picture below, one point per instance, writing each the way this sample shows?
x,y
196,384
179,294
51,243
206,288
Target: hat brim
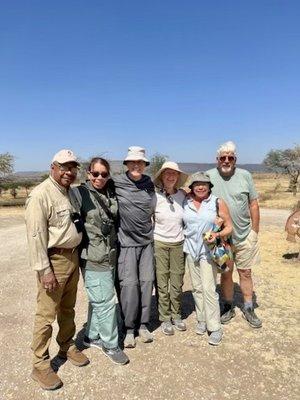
x,y
191,184
66,162
147,162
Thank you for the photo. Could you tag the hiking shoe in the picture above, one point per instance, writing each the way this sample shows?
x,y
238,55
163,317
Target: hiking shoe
x,y
46,378
167,328
227,315
145,335
92,342
116,355
179,324
215,337
252,318
201,328
75,356
129,341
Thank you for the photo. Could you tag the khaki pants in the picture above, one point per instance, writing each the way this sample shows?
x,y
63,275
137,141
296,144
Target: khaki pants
x,y
203,275
60,304
169,258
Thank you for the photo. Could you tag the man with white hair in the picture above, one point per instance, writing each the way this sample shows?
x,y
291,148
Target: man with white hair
x,y
235,186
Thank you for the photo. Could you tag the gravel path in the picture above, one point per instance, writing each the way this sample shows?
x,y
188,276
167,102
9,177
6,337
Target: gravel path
x,y
250,364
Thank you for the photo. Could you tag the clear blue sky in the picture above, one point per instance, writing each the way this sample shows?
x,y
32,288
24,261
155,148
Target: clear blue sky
x,y
177,77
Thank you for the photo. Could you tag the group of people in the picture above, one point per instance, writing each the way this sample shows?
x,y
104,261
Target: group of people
x,y
131,234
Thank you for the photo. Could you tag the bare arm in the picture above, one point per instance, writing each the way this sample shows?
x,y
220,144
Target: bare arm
x,y
225,215
227,223
254,214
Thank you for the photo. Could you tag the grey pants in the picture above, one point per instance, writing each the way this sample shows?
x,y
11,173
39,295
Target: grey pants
x,y
136,276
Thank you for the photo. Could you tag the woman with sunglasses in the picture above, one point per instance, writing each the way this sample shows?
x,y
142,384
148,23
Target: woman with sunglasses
x,y
98,259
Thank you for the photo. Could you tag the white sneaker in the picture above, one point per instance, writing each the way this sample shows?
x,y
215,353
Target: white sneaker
x,y
200,328
145,335
129,341
215,337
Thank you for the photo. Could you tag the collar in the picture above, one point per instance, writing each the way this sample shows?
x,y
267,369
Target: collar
x,y
92,189
58,186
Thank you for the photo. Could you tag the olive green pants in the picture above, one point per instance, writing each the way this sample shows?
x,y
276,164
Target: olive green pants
x,y
60,304
169,259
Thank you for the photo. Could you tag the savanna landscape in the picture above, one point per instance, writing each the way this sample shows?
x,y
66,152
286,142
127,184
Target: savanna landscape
x,y
249,364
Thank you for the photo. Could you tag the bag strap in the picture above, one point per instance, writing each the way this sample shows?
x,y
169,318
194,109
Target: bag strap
x,y
217,207
75,198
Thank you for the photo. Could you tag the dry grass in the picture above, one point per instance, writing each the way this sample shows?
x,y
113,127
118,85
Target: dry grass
x,y
12,211
272,191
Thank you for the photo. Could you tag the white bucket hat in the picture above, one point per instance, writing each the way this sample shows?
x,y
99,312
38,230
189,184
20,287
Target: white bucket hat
x,y
136,153
174,166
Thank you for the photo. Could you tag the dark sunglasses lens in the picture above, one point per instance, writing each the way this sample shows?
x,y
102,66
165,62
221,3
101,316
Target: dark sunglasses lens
x,y
96,174
229,158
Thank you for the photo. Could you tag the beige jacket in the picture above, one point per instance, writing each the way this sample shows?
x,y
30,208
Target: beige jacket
x,y
47,215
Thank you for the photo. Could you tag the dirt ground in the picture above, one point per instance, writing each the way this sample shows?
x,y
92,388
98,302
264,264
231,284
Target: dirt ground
x,y
249,364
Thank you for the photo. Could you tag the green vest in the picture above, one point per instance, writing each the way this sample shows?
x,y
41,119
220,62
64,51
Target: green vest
x,y
99,213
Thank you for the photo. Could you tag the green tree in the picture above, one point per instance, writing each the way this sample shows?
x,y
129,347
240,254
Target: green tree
x,y
285,161
6,164
27,185
14,186
44,177
156,162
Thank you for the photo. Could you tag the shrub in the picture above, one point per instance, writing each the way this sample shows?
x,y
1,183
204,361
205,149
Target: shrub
x,y
265,196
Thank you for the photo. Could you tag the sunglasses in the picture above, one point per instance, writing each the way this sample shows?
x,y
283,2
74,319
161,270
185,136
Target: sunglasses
x,y
66,168
96,174
229,158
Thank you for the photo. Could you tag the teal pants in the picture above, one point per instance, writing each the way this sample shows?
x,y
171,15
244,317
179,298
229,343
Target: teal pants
x,y
102,313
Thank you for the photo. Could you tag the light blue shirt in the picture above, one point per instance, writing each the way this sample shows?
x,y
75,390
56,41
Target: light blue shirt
x,y
196,222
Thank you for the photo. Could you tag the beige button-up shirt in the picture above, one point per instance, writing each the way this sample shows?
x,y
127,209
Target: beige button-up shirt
x,y
47,215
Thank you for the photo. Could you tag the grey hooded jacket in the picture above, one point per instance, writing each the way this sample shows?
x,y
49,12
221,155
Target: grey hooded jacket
x,y
136,200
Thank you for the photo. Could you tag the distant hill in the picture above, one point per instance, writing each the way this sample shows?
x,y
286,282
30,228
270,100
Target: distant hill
x,y
118,167
193,167
34,176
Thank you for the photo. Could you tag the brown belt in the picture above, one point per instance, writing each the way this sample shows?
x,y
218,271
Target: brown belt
x,y
59,250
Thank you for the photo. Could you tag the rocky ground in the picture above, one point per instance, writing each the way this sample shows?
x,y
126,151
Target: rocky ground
x,y
249,364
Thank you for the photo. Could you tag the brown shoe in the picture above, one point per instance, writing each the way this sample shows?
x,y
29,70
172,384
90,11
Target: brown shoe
x,y
46,378
75,356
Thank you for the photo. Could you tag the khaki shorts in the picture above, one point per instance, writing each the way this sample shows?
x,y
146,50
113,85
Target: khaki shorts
x,y
246,253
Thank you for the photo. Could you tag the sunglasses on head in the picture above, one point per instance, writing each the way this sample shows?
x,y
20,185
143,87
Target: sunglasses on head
x,y
96,174
229,158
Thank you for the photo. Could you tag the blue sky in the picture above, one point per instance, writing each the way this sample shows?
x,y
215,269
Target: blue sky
x,y
176,77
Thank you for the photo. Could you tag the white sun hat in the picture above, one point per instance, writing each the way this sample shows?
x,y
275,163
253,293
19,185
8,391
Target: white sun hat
x,y
174,166
136,153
